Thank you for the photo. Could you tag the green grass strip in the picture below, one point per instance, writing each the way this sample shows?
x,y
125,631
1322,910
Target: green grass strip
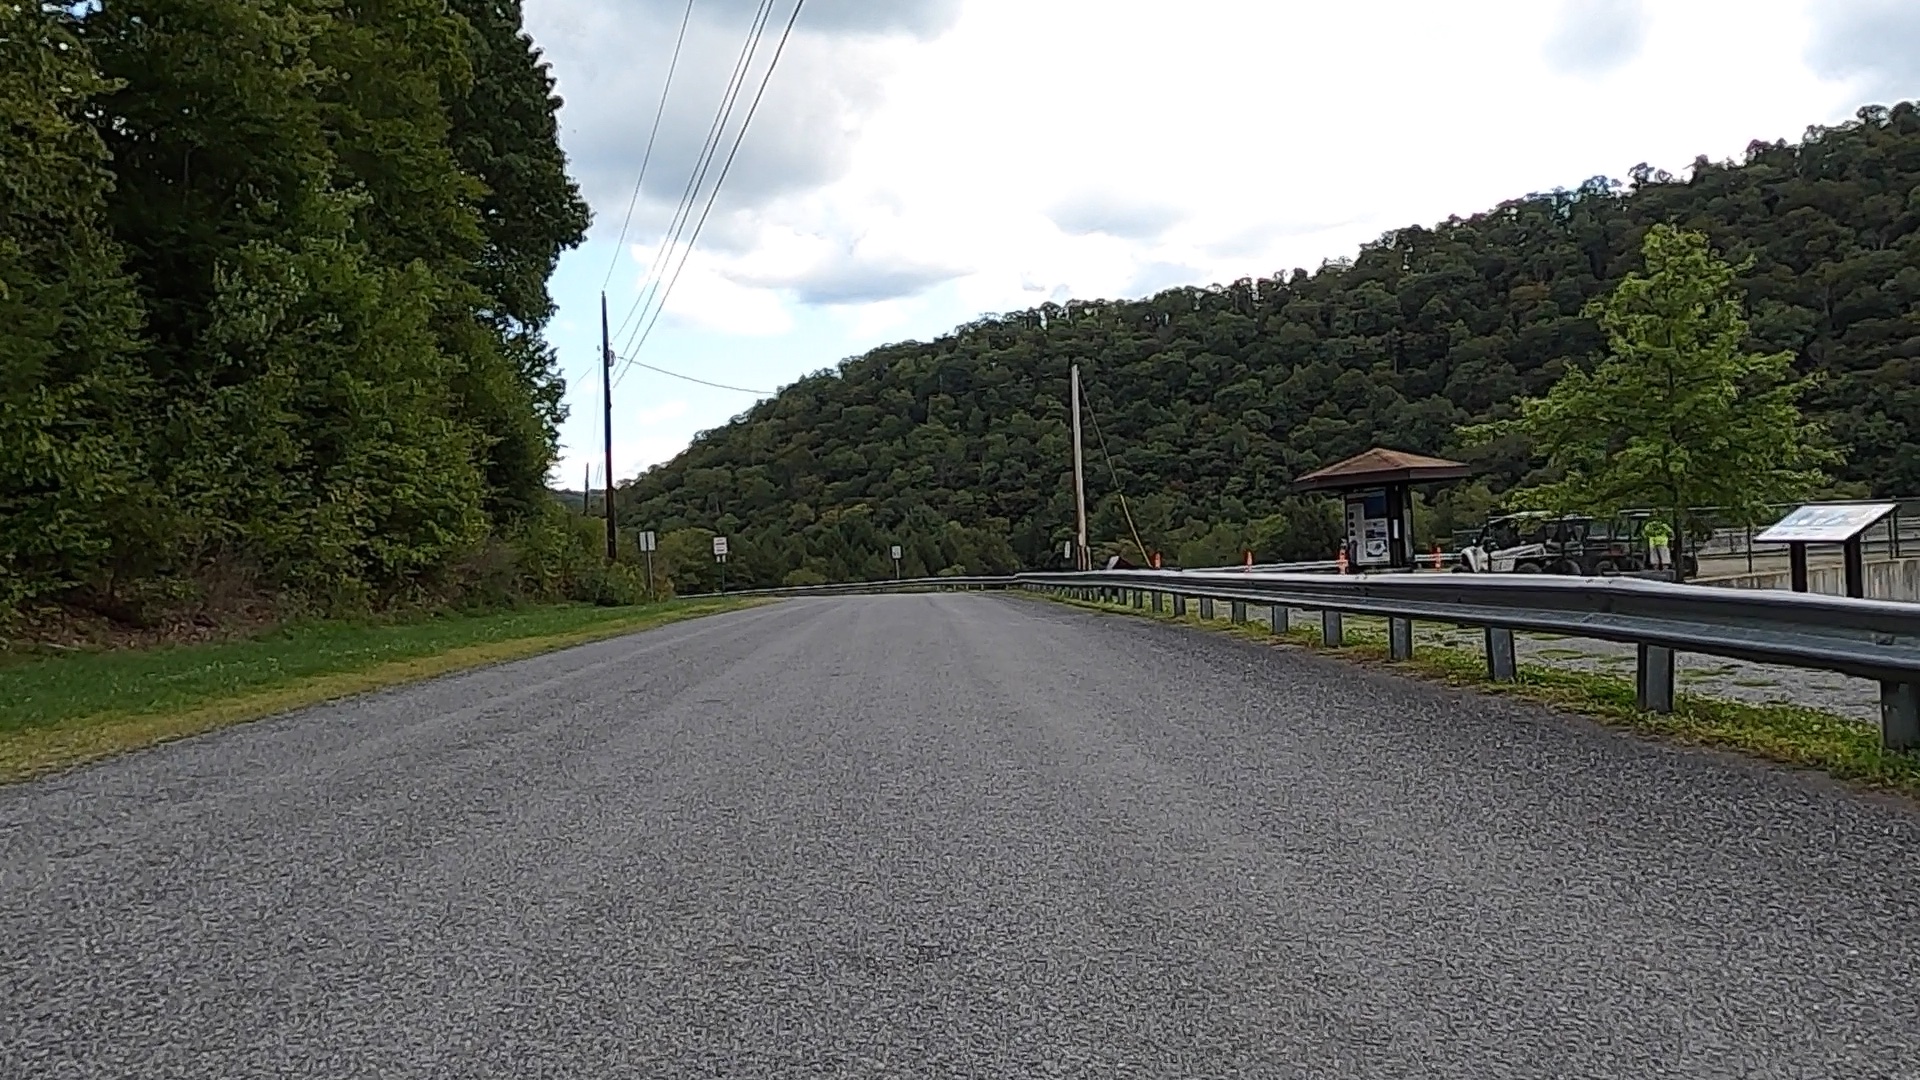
x,y
1790,734
63,710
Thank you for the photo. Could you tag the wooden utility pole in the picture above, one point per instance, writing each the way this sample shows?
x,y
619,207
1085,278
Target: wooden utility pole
x,y
586,491
1082,558
606,393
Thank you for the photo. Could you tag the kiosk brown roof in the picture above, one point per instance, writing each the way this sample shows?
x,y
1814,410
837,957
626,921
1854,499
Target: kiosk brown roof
x,y
1380,467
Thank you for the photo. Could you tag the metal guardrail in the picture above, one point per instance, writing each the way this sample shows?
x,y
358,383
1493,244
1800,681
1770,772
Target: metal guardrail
x,y
1323,566
1869,639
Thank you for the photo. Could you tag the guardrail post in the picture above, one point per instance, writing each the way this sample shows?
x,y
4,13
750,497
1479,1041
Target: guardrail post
x,y
1332,634
1653,679
1139,599
1900,715
1400,639
1279,615
1500,665
1157,602
1206,608
1238,612
1179,606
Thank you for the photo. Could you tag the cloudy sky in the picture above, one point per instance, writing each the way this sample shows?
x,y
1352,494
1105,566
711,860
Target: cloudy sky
x,y
916,163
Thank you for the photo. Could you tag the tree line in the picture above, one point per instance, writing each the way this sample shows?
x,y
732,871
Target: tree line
x,y
1208,401
273,281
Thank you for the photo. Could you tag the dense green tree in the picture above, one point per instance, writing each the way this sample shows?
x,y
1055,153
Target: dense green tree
x,y
70,484
505,133
338,217
1681,413
290,239
1212,400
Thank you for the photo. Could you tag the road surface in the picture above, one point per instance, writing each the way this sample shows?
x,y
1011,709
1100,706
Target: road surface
x,y
949,836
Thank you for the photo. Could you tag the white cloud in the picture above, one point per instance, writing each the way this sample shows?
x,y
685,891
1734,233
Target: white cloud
x,y
696,289
1115,214
1594,37
1874,43
611,60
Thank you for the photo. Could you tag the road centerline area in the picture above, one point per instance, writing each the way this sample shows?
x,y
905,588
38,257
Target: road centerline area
x,y
949,835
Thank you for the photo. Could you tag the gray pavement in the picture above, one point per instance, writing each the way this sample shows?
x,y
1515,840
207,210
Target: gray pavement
x,y
950,836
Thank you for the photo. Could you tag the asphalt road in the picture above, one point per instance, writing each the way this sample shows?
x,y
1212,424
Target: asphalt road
x,y
949,836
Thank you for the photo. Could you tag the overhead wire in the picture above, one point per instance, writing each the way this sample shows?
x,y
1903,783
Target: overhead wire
x,y
1114,474
652,292
647,156
691,379
725,168
703,161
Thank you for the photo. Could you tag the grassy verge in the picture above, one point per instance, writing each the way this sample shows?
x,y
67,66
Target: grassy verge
x,y
64,710
1789,734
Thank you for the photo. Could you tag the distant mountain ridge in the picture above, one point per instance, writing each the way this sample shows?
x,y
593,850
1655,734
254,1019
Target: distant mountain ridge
x,y
1210,400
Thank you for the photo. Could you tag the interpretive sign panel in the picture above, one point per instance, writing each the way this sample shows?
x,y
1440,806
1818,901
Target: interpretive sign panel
x,y
1824,524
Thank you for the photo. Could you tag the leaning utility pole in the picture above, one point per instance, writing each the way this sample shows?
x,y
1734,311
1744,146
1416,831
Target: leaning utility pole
x,y
606,394
1082,559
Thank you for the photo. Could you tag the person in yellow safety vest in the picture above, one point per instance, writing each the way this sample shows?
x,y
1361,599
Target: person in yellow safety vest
x,y
1659,541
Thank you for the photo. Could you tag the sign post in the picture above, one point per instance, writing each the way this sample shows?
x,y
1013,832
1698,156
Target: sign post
x,y
896,562
720,556
647,545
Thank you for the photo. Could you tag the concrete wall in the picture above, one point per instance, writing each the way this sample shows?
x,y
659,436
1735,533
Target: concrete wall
x,y
1895,579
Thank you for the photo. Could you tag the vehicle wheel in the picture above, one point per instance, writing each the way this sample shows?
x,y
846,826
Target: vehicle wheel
x,y
1633,564
1567,568
1606,568
1526,568
1461,568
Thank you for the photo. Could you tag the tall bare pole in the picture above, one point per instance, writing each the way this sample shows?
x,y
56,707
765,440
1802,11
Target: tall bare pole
x,y
606,394
1082,558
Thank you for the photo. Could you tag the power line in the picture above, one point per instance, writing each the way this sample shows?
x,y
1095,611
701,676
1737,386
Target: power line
x,y
648,155
1114,474
691,379
664,254
702,162
739,136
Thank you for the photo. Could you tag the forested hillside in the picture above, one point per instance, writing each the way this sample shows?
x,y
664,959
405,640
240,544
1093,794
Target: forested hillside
x,y
273,277
1211,400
